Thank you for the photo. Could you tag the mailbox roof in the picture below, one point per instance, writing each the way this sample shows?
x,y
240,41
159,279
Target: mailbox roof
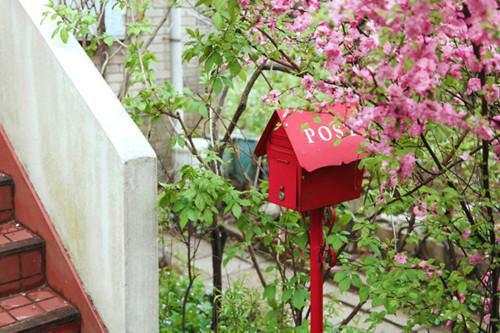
x,y
315,137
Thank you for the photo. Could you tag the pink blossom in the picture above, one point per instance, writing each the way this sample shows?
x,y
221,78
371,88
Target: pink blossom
x,y
456,71
423,264
387,48
475,259
363,74
486,277
484,132
481,8
473,85
400,258
492,93
381,147
420,210
395,91
301,23
445,114
416,129
419,24
281,6
271,24
421,81
465,234
496,147
443,68
272,98
487,305
326,88
335,11
385,72
261,60
407,163
308,81
495,124
244,4
465,156
334,57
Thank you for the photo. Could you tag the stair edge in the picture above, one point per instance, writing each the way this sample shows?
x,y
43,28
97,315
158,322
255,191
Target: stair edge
x,y
45,321
21,246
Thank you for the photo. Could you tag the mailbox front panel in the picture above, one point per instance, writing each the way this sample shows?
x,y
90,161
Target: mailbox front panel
x,y
330,186
283,172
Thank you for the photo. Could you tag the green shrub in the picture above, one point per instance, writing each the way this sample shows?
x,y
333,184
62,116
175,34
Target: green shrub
x,y
198,307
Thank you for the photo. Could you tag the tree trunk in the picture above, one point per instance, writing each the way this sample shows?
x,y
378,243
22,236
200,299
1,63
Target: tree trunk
x,y
218,240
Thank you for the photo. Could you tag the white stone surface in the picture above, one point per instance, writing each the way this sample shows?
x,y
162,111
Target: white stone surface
x,y
93,170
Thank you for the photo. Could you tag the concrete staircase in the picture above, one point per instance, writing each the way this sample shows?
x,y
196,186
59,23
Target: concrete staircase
x,y
27,303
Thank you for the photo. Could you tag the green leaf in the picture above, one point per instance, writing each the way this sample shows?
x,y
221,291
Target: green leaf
x,y
377,300
220,5
299,298
199,202
208,217
270,292
363,293
64,35
245,202
202,2
218,21
335,241
234,68
344,284
356,281
287,294
236,210
218,85
339,276
183,220
462,286
214,59
108,40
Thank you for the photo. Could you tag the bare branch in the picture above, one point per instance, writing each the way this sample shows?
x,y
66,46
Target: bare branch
x,y
241,108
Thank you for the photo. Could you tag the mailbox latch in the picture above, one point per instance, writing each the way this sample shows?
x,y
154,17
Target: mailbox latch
x,y
282,193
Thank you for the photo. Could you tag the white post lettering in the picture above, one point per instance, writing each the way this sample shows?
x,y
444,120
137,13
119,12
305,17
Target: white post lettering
x,y
309,133
328,137
339,132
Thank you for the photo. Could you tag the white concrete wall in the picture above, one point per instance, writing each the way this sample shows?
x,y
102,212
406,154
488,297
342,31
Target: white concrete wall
x,y
92,168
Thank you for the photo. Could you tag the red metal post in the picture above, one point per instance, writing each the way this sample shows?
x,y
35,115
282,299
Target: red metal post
x,y
316,245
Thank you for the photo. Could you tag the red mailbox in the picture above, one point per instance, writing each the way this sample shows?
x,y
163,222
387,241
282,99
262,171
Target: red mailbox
x,y
313,163
313,158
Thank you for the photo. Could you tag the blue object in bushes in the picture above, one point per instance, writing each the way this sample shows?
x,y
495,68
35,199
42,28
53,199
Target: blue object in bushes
x,y
247,163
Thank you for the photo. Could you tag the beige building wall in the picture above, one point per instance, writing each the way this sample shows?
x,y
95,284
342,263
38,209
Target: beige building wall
x,y
160,133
